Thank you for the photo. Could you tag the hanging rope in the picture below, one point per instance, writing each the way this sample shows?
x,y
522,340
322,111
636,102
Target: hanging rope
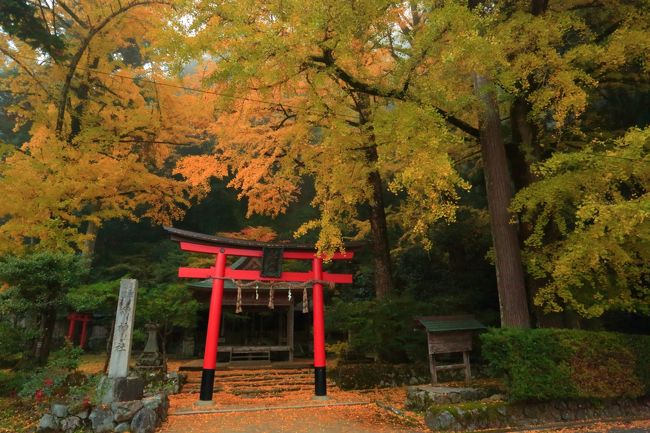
x,y
238,308
305,301
290,285
271,305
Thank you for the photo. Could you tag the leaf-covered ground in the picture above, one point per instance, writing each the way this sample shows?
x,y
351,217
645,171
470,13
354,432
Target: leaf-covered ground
x,y
16,416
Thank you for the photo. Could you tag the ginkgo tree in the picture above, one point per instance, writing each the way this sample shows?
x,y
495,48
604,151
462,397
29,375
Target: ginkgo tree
x,y
104,122
456,67
290,109
590,213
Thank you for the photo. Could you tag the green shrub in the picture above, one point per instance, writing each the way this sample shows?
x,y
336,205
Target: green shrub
x,y
547,364
381,328
11,382
640,345
377,375
55,377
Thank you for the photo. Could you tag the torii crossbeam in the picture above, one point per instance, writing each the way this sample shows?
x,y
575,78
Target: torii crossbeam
x,y
222,248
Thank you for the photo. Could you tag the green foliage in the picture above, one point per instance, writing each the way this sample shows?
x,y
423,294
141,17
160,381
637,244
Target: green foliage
x,y
367,376
42,278
641,347
167,305
591,216
36,286
382,328
13,342
11,381
546,364
49,380
96,297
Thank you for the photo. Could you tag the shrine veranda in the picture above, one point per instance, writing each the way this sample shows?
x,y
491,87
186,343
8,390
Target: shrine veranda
x,y
272,255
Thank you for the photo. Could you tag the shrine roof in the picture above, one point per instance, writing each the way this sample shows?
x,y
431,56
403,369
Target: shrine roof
x,y
180,235
462,322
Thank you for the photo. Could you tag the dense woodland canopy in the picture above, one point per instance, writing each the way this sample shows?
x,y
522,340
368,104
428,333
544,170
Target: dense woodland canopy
x,y
494,155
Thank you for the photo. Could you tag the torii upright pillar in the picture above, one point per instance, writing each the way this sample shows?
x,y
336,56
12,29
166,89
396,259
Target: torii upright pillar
x,y
320,379
212,337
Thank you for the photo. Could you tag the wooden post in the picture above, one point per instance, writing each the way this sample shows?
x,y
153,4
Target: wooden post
x,y
290,331
212,337
319,330
84,331
468,371
432,368
71,325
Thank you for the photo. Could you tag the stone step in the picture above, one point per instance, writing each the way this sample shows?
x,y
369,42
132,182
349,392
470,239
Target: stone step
x,y
256,389
254,373
255,384
252,376
250,382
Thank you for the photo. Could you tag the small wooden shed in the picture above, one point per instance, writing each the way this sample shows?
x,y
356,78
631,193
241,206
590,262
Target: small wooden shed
x,y
449,334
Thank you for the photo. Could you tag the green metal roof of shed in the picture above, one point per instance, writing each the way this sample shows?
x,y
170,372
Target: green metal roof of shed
x,y
436,324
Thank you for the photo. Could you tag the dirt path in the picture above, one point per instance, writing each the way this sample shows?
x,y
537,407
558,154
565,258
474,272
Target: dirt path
x,y
336,419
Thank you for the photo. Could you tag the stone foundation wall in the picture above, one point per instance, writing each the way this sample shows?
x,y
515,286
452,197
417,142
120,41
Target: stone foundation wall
x,y
494,414
136,416
143,415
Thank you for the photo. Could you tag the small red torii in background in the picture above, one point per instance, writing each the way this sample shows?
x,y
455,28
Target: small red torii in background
x,y
222,248
73,318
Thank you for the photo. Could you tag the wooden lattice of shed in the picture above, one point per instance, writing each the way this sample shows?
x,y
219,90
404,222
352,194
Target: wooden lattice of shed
x,y
449,334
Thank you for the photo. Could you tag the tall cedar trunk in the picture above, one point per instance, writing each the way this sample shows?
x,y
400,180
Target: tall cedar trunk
x,y
89,243
76,119
522,151
509,268
524,141
378,226
48,321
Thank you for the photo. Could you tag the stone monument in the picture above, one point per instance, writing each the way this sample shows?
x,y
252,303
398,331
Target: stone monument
x,y
118,386
151,360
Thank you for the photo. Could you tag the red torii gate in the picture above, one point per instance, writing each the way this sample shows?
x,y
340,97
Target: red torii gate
x,y
73,318
221,248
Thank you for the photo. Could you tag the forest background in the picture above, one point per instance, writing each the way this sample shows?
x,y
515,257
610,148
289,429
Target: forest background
x,y
456,138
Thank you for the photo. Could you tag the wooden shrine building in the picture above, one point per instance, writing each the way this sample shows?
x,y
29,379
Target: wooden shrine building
x,y
259,280
256,324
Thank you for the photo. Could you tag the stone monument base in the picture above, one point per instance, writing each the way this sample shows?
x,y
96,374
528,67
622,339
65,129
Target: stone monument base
x,y
114,389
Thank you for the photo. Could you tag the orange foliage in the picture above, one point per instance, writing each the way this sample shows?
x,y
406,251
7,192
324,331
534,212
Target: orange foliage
x,y
259,233
102,149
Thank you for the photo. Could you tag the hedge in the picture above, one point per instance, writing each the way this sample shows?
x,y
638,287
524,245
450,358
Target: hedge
x,y
379,375
549,364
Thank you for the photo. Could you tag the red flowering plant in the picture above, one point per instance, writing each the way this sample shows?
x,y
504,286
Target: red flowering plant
x,y
53,379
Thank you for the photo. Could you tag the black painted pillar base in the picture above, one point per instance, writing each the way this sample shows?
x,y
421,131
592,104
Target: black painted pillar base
x,y
207,384
320,381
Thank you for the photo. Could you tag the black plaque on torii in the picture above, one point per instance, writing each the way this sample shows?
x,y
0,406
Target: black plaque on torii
x,y
272,262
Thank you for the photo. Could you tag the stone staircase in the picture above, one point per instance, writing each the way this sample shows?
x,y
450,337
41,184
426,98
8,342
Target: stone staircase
x,y
255,382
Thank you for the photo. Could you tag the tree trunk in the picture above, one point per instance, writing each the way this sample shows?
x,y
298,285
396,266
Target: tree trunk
x,y
48,321
380,248
378,226
509,268
89,244
109,346
163,346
